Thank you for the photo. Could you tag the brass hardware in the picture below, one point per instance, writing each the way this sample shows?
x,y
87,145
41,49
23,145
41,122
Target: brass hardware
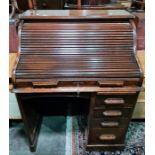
x,y
107,137
114,101
112,113
109,124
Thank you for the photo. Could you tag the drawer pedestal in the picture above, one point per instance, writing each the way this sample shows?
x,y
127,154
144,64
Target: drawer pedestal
x,y
109,119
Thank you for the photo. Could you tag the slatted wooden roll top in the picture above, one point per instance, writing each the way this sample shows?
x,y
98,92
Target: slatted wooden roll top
x,y
76,45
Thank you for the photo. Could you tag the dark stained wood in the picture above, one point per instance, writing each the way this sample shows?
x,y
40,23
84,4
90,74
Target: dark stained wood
x,y
109,119
50,4
140,30
32,121
69,36
111,112
13,35
109,136
80,53
29,89
116,122
117,100
40,4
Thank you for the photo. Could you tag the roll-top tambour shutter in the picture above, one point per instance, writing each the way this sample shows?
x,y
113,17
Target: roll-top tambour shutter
x,y
83,49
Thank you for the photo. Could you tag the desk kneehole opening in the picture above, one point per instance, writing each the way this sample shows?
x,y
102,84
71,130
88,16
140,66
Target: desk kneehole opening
x,y
107,137
112,113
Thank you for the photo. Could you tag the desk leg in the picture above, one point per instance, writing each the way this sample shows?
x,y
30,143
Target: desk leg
x,y
32,121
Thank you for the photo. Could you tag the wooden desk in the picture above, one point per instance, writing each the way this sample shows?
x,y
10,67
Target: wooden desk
x,y
82,54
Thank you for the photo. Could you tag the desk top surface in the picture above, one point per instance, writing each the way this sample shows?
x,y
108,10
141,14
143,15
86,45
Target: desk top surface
x,y
74,14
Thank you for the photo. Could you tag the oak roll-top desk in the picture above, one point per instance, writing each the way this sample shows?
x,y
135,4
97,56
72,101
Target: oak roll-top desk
x,y
79,53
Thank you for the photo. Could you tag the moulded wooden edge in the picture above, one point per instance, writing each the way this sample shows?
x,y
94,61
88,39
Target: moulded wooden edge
x,y
75,14
103,147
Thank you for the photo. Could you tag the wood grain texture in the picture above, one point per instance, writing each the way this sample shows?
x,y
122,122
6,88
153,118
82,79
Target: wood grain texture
x,y
79,52
12,59
13,35
52,50
140,30
139,112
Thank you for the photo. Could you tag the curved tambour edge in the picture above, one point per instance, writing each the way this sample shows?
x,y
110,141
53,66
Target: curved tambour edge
x,y
18,53
60,49
135,42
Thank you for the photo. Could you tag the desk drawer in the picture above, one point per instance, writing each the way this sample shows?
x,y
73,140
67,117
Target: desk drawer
x,y
109,122
118,101
111,112
106,135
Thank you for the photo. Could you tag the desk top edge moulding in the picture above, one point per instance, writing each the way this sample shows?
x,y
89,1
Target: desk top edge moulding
x,y
79,52
69,14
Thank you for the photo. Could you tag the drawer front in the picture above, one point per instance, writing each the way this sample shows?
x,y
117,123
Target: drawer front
x,y
109,122
111,112
106,135
115,101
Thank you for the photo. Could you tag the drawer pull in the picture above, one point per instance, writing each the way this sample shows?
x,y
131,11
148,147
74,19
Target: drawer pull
x,y
45,84
107,137
110,83
112,113
109,124
114,101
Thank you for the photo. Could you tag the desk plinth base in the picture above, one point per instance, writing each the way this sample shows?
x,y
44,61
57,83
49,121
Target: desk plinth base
x,y
110,147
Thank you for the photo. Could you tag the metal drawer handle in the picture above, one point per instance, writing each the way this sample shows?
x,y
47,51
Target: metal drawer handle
x,y
109,124
112,113
107,137
114,101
